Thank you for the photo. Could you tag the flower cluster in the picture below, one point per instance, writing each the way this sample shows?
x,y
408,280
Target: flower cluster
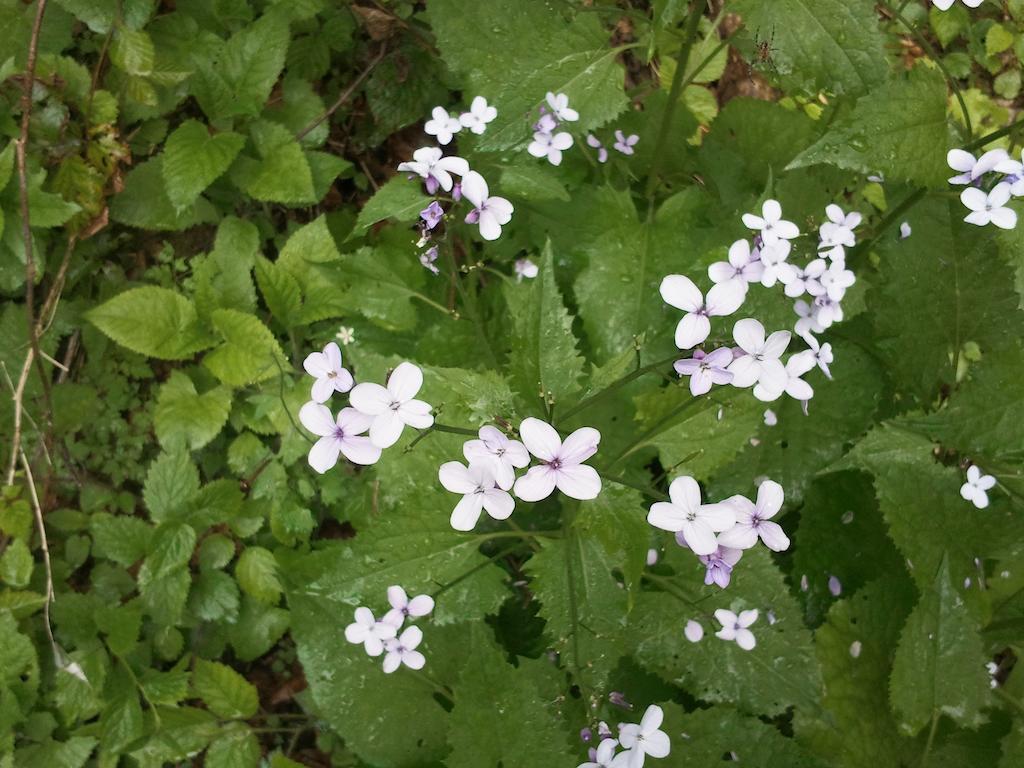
x,y
638,741
756,360
738,522
444,125
623,144
549,142
976,489
735,628
382,636
382,411
984,197
492,460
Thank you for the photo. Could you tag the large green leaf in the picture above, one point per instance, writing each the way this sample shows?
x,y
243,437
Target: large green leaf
x,y
225,692
152,321
249,351
183,414
194,158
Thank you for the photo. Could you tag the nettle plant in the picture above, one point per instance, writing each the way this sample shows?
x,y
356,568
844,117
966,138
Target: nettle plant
x,y
514,383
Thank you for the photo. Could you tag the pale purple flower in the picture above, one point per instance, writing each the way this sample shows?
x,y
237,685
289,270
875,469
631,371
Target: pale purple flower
x,y
435,170
770,223
619,700
602,153
402,607
561,462
680,292
808,322
644,739
774,265
822,354
601,757
545,124
837,233
736,628
559,104
693,631
326,368
905,230
705,370
698,523
989,208
753,521
836,280
827,311
480,492
759,364
394,406
742,266
625,144
807,280
975,490
442,125
719,565
432,214
369,632
503,455
550,146
835,587
344,436
478,116
971,168
525,268
402,650
489,212
427,259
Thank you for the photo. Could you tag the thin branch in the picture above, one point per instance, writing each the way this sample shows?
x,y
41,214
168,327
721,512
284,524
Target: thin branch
x,y
345,95
38,510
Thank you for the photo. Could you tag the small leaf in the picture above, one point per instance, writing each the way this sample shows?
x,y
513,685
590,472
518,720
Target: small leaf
x,y
256,571
193,159
225,692
249,352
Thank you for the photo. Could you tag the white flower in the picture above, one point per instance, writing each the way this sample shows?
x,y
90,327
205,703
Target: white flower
x,y
905,230
694,631
369,632
827,311
837,233
504,456
742,266
684,514
771,224
760,363
795,387
561,462
808,322
770,419
326,368
643,739
559,105
402,606
479,492
550,146
604,754
945,5
489,212
807,280
822,354
402,650
970,168
346,334
989,208
976,487
680,292
736,627
442,125
525,268
479,115
394,406
836,279
754,520
774,262
436,170
344,436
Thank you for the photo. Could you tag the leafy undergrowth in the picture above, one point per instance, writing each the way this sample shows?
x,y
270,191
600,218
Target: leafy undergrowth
x,y
214,200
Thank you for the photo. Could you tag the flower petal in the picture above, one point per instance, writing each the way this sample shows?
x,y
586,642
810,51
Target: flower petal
x,y
692,330
667,517
405,381
770,496
371,399
773,536
324,454
467,512
540,439
456,477
680,292
498,503
749,335
386,429
359,449
578,482
699,537
685,493
580,445
536,484
317,419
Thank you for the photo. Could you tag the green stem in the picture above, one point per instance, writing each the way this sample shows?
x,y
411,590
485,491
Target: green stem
x,y
657,429
931,739
616,385
453,430
568,516
1001,694
891,218
678,81
644,489
968,131
990,137
469,302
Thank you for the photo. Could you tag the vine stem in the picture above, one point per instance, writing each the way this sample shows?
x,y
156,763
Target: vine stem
x,y
616,385
678,83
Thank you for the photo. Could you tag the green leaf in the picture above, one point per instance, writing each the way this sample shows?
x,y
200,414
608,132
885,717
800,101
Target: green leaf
x,y
515,51
400,198
282,175
171,483
249,353
152,321
898,128
256,571
120,538
830,45
237,749
214,597
183,415
544,358
225,692
280,292
144,202
121,721
132,51
238,79
258,628
193,159
488,683
717,731
16,564
939,667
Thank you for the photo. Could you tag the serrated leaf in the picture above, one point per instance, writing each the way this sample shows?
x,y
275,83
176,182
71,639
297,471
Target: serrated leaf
x,y
282,174
939,667
898,128
132,51
238,749
544,360
249,352
256,571
143,202
400,199
258,628
182,414
194,158
280,292
717,731
225,692
120,538
152,321
16,564
171,482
